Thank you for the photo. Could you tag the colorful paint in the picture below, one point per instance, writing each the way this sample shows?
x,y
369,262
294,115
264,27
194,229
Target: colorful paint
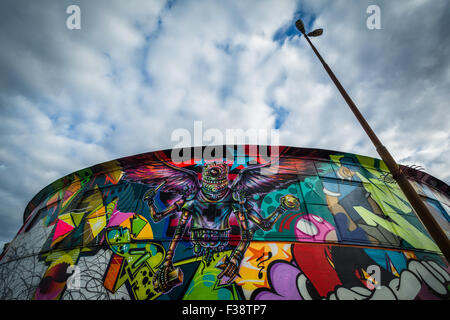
x,y
310,224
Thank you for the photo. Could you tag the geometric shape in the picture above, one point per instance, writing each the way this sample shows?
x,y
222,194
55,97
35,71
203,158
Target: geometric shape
x,y
52,200
118,217
111,207
97,212
67,196
87,235
62,229
77,217
70,191
97,224
140,228
92,200
113,273
137,224
126,224
146,233
67,218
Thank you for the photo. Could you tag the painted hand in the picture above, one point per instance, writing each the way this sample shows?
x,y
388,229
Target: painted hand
x,y
149,196
290,202
230,269
161,281
240,197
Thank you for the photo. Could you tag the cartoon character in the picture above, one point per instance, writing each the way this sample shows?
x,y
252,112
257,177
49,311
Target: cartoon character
x,y
208,203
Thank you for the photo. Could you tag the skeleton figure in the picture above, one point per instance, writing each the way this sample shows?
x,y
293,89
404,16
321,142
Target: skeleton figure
x,y
208,203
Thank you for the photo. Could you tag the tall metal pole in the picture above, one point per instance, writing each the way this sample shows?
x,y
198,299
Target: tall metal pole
x,y
436,232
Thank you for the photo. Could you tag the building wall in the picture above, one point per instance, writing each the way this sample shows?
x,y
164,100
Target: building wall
x,y
91,235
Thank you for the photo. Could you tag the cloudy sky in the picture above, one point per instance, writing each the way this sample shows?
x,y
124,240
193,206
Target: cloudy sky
x,y
138,70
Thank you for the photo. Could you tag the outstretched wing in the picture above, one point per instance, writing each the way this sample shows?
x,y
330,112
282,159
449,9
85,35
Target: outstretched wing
x,y
157,170
278,174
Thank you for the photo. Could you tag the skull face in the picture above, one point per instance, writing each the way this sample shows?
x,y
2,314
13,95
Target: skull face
x,y
215,180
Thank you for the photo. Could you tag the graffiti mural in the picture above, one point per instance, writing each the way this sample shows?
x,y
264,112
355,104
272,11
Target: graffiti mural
x,y
305,224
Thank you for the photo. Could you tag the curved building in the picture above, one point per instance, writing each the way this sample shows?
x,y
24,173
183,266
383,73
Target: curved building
x,y
229,223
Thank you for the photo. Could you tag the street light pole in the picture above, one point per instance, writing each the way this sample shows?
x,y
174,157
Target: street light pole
x,y
414,199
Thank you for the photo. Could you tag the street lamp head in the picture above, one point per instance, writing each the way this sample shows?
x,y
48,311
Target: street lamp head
x,y
315,33
300,26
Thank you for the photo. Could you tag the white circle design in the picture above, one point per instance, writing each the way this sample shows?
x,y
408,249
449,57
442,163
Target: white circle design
x,y
307,227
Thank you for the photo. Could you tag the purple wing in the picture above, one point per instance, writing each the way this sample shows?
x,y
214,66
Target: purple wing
x,y
156,170
278,174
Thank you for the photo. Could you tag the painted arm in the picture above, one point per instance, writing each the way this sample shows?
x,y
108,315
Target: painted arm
x,y
288,202
156,215
159,215
230,265
167,276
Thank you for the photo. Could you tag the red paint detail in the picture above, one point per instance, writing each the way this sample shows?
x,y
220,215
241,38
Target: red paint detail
x,y
261,160
280,229
312,260
360,277
173,222
233,221
233,239
192,161
289,221
108,178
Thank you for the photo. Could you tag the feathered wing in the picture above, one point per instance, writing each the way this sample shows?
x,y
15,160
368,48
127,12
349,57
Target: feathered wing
x,y
156,171
278,174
